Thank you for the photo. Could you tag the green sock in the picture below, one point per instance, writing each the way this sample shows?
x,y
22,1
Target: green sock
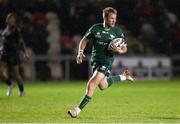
x,y
84,101
113,79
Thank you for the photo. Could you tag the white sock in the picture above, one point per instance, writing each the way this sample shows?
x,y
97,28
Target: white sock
x,y
122,77
78,110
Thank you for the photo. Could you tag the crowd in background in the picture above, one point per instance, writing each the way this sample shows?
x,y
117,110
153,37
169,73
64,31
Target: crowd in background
x,y
55,27
150,26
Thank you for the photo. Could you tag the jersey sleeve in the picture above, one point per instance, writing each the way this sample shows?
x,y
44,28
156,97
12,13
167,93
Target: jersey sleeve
x,y
119,33
89,34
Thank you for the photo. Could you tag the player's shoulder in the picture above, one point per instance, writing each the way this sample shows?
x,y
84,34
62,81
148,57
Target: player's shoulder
x,y
117,28
96,26
118,31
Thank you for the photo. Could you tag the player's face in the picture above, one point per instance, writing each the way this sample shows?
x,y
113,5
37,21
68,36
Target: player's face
x,y
110,20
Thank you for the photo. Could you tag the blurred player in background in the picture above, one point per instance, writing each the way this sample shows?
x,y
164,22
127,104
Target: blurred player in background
x,y
101,34
12,44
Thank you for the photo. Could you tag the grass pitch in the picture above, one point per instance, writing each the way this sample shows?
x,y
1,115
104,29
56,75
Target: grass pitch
x,y
140,102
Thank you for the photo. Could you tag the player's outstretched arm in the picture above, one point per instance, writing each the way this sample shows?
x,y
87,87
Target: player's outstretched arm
x,y
80,55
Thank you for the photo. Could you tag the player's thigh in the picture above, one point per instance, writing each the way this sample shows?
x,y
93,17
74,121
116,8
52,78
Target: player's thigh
x,y
103,84
96,78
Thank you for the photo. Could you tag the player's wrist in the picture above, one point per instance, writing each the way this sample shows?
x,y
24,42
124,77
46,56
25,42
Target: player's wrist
x,y
81,51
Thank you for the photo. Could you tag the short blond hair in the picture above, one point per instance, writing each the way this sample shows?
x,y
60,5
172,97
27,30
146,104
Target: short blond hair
x,y
108,10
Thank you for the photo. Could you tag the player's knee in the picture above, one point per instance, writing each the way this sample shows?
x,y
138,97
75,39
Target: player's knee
x,y
102,88
91,85
103,85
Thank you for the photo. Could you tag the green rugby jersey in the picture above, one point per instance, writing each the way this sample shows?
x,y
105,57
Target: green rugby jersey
x,y
101,36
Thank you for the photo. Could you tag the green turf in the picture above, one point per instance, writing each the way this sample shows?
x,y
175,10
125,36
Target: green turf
x,y
145,101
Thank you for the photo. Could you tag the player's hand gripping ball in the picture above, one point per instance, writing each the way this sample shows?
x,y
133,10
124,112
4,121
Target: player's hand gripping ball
x,y
118,42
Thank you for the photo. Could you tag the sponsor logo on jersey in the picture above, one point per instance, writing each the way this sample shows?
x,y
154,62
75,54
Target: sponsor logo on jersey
x,y
102,43
103,68
104,32
111,36
98,35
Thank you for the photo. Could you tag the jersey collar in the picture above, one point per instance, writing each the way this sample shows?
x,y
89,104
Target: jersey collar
x,y
106,28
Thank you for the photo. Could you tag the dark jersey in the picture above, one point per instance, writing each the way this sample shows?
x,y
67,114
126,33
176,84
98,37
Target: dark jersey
x,y
11,37
101,37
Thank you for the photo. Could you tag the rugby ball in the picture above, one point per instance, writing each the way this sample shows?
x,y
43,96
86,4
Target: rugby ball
x,y
119,42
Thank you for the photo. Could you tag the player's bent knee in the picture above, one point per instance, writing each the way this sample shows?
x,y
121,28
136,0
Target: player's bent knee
x,y
103,85
91,85
102,88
